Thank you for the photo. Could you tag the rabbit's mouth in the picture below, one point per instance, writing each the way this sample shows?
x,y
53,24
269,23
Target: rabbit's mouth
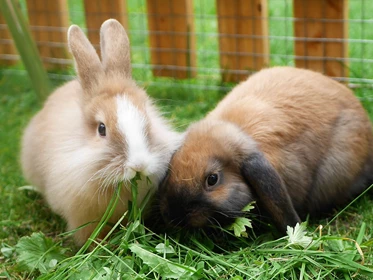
x,y
120,169
128,174
130,170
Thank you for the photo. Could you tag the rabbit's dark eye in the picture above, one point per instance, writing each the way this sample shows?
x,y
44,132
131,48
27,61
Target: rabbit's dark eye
x,y
212,179
102,129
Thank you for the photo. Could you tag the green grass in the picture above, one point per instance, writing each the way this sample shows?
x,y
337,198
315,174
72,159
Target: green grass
x,y
136,251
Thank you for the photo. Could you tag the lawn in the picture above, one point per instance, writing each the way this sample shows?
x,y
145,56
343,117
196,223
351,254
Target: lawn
x,y
135,252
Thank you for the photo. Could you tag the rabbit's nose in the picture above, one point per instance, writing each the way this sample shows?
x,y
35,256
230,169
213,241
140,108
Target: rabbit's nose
x,y
138,167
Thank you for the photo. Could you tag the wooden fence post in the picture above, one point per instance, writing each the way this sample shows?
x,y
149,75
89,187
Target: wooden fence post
x,y
243,38
6,45
321,36
97,11
49,23
172,38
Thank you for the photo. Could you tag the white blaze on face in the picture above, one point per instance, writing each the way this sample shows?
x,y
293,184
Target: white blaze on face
x,y
131,123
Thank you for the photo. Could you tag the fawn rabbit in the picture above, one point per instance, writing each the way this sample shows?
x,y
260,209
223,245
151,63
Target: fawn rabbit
x,y
293,140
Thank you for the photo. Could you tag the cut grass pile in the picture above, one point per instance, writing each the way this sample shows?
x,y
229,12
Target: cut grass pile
x,y
134,252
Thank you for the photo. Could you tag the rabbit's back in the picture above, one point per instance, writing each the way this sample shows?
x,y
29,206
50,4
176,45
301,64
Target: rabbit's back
x,y
282,105
287,95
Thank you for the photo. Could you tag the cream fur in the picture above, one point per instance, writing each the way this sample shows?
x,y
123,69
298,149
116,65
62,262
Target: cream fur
x,y
63,155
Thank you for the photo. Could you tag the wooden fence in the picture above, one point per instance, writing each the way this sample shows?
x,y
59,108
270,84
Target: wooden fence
x,y
320,30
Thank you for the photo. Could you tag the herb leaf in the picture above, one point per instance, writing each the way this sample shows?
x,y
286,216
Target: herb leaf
x,y
37,252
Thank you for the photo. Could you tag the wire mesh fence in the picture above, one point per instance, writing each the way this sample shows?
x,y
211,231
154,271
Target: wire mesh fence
x,y
202,43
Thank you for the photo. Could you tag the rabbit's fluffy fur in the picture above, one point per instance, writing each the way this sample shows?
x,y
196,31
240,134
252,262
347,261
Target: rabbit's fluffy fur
x,y
293,140
64,154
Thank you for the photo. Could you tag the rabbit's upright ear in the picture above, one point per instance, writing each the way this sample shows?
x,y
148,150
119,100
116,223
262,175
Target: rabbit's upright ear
x,y
270,190
115,48
87,62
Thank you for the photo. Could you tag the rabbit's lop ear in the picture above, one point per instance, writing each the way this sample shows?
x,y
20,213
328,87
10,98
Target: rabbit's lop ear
x,y
87,62
260,175
115,48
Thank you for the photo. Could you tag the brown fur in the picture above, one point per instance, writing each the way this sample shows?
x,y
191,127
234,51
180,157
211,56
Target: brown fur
x,y
311,129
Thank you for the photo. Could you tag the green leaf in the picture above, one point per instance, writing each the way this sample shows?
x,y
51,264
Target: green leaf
x,y
335,245
166,268
164,249
37,252
237,278
52,263
7,251
297,236
239,226
248,207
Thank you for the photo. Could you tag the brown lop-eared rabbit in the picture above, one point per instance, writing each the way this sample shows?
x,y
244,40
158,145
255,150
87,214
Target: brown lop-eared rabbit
x,y
293,140
95,132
